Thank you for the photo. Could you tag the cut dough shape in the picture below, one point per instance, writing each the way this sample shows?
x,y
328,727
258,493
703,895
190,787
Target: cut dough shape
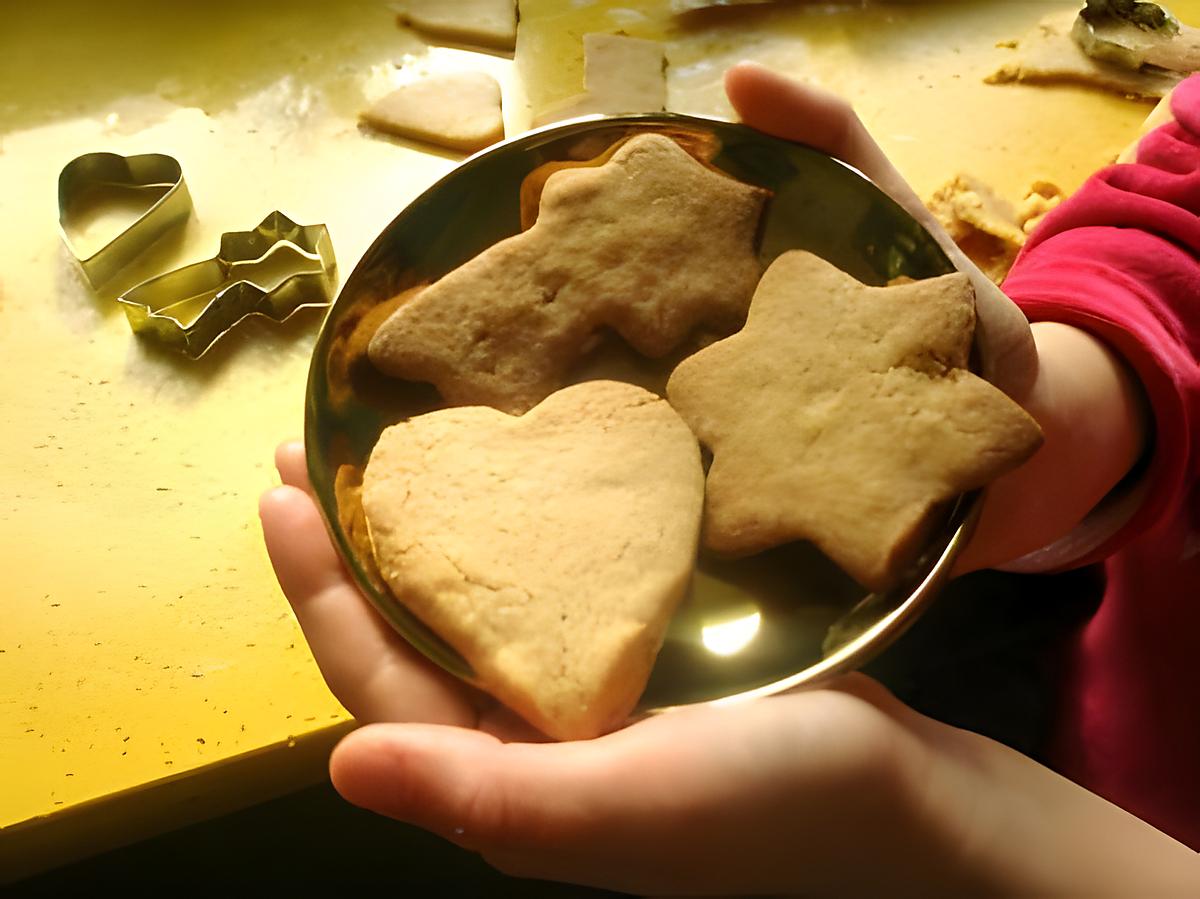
x,y
620,75
460,111
1049,54
986,226
844,414
549,550
652,243
1042,199
484,23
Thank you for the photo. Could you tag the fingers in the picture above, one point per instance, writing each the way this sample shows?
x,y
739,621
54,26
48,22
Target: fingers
x,y
459,783
531,810
370,668
785,108
811,115
303,557
292,466
676,802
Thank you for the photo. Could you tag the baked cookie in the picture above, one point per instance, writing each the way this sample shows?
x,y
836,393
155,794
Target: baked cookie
x,y
652,243
844,414
549,550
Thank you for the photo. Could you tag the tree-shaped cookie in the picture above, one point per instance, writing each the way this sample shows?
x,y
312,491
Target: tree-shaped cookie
x,y
651,243
844,414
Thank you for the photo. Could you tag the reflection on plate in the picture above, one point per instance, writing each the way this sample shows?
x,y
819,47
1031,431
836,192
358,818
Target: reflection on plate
x,y
750,626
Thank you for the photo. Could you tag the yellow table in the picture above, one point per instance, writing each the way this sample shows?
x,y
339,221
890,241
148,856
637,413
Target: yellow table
x,y
150,672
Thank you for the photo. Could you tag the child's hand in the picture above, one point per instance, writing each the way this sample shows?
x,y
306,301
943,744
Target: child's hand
x,y
762,797
809,115
681,801
836,791
370,668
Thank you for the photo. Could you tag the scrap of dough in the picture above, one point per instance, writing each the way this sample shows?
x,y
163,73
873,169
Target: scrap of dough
x,y
1049,54
486,23
652,243
984,225
460,110
549,550
844,414
965,204
1042,199
620,75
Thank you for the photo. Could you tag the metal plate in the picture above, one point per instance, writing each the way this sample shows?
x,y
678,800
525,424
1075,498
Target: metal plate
x,y
747,627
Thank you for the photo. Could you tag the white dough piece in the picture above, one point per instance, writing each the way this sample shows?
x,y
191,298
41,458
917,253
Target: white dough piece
x,y
620,74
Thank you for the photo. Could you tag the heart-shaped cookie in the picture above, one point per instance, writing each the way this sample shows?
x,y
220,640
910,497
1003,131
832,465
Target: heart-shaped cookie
x,y
549,549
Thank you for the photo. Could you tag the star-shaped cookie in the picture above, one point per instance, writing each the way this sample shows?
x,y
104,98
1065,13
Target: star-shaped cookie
x,y
843,414
652,243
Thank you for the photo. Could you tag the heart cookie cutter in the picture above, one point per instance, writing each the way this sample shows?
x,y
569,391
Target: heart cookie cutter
x,y
150,172
274,270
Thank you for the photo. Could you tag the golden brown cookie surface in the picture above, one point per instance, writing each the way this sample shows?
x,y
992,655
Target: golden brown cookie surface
x,y
842,414
651,244
550,550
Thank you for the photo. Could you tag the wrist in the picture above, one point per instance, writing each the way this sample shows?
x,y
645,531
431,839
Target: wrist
x,y
1106,419
1095,421
1024,830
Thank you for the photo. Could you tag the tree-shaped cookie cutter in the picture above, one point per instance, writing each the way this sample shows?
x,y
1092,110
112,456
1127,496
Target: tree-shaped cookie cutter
x,y
273,271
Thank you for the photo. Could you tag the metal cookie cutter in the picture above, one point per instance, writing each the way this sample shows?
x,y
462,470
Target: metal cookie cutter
x,y
273,270
148,172
1137,34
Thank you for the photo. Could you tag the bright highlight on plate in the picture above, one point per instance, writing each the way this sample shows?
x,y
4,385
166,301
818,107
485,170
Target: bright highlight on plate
x,y
728,637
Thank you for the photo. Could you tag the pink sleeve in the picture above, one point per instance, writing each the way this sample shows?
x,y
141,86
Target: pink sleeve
x,y
1121,259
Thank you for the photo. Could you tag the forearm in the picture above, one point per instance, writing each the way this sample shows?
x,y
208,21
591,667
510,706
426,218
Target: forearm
x,y
1026,831
1094,419
1120,259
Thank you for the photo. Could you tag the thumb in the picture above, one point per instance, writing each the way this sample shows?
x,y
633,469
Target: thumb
x,y
673,803
464,785
799,112
792,110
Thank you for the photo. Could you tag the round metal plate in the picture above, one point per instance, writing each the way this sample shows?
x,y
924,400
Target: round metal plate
x,y
747,627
